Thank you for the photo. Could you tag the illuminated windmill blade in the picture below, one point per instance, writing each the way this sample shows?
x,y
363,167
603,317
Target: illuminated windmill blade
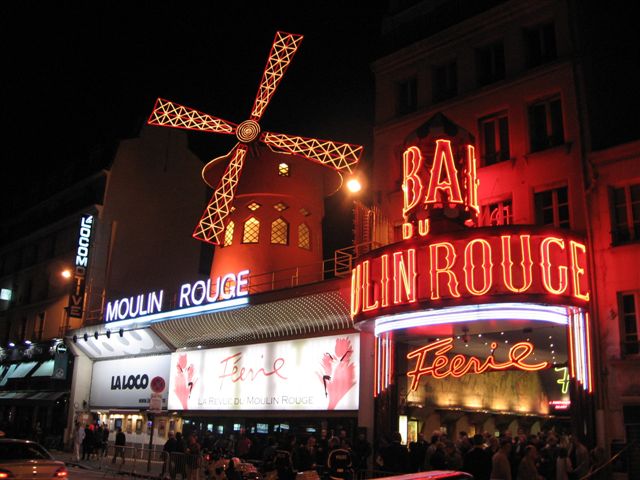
x,y
340,156
211,226
169,114
284,47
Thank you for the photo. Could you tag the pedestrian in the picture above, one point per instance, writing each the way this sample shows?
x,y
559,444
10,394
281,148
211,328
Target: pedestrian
x,y
307,455
361,452
477,461
78,441
563,465
500,466
193,458
579,456
527,469
169,447
87,443
121,441
395,456
417,453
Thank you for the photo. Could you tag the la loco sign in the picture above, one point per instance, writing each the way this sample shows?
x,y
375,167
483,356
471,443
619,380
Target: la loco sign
x,y
473,266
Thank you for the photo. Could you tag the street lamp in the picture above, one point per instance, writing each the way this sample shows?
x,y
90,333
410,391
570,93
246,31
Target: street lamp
x,y
66,273
354,185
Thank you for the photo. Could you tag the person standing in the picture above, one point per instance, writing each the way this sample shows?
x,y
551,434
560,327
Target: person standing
x,y
563,465
121,441
500,465
477,461
361,452
78,441
87,443
527,469
417,453
579,456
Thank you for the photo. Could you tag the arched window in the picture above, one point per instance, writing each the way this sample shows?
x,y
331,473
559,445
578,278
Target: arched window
x,y
280,232
304,236
251,233
228,234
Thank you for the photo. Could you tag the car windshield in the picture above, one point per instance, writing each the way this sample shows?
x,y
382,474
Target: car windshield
x,y
22,451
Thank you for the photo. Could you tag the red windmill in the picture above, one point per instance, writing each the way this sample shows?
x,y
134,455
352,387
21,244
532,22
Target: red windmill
x,y
339,156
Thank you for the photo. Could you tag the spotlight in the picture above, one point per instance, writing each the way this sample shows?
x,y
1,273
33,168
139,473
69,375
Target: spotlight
x,y
121,332
108,333
11,344
86,337
27,342
75,339
95,335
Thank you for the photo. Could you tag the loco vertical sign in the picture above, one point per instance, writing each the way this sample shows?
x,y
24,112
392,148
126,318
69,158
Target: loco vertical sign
x,y
76,299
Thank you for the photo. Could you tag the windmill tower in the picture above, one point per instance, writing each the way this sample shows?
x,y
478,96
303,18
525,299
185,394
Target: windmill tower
x,y
271,220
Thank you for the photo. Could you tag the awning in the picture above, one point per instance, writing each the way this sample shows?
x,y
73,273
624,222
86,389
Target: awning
x,y
21,370
7,374
45,369
30,397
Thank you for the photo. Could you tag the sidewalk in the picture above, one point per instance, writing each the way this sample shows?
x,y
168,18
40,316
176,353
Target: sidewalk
x,y
132,467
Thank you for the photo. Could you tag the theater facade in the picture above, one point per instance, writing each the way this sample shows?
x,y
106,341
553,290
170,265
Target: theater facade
x,y
476,329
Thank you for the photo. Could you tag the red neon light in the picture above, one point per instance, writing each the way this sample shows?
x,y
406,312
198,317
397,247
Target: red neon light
x,y
486,265
472,179
576,270
545,263
572,358
435,271
412,187
526,263
443,160
367,289
588,352
466,267
384,281
339,156
459,365
356,281
404,277
376,360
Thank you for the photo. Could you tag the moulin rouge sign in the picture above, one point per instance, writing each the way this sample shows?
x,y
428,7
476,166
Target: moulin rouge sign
x,y
470,265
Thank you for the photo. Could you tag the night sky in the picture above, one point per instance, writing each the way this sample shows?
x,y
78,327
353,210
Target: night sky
x,y
75,78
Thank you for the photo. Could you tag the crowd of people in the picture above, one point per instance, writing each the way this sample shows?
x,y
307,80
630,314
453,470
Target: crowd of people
x,y
542,456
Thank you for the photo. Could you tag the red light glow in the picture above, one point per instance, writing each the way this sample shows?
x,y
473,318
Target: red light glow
x,y
339,156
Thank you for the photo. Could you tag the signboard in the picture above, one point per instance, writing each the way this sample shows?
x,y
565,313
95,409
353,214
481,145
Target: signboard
x,y
127,383
479,265
191,295
76,299
311,374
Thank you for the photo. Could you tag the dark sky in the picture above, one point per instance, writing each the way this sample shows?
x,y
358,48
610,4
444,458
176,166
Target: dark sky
x,y
75,76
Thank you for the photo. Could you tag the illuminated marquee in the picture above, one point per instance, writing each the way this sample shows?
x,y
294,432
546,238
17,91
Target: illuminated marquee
x,y
439,365
447,182
201,292
76,299
480,266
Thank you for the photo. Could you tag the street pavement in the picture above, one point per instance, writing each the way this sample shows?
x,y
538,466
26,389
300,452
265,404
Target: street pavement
x,y
105,468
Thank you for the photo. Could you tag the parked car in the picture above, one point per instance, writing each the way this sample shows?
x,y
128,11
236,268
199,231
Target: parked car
x,y
22,459
431,475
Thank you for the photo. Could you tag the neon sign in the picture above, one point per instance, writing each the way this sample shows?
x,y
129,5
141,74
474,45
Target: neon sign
x,y
225,287
444,183
442,366
488,265
563,381
76,299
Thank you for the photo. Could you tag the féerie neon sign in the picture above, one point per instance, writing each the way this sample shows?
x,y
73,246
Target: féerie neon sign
x,y
441,366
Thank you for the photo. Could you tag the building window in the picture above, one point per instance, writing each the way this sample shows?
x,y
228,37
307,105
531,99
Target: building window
x,y
628,315
280,206
498,213
407,96
445,81
625,213
494,135
552,207
253,206
545,124
283,169
228,233
540,44
304,236
279,232
304,212
39,331
251,233
490,63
